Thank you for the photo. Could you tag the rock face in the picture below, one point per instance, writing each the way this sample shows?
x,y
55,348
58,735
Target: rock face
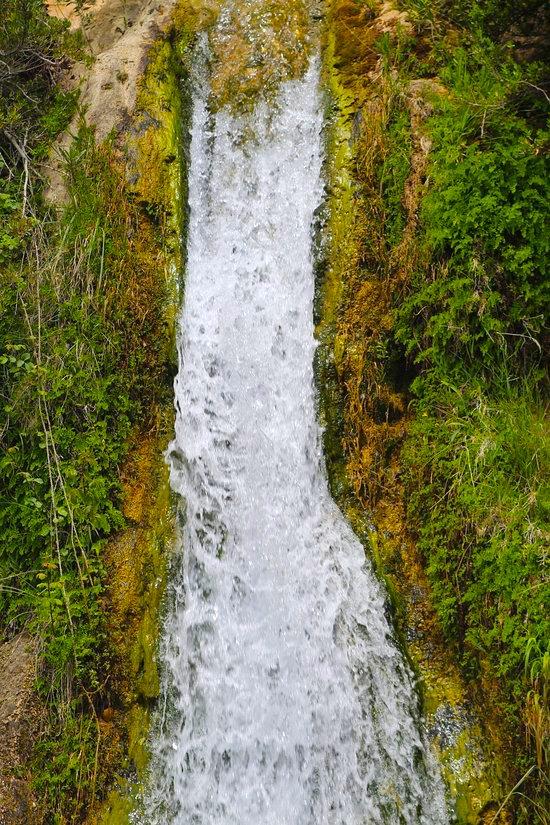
x,y
20,719
119,34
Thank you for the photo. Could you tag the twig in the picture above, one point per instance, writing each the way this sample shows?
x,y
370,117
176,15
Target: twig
x,y
21,151
538,88
514,789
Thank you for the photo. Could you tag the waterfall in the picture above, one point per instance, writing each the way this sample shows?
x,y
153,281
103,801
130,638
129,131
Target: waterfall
x,y
287,701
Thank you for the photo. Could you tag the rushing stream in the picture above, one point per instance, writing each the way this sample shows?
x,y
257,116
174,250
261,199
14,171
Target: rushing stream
x,y
287,702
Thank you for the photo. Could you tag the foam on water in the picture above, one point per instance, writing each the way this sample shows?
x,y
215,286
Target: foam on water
x,y
287,702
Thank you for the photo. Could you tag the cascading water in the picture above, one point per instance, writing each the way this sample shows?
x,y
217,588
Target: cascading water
x,y
287,702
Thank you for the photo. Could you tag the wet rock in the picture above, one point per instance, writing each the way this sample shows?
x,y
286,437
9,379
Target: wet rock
x,y
418,594
448,723
413,634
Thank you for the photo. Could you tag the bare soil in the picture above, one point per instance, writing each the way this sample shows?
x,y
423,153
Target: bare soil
x,y
21,716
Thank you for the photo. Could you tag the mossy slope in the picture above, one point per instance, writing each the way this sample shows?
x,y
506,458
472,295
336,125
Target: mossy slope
x,y
377,156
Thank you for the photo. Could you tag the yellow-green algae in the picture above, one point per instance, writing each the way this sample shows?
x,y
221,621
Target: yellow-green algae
x,y
154,149
256,45
470,752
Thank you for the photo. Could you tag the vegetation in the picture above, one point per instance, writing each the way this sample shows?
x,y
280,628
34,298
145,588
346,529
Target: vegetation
x,y
440,337
476,460
438,351
33,52
84,359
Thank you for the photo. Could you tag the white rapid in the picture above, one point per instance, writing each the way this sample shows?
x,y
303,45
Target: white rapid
x,y
287,702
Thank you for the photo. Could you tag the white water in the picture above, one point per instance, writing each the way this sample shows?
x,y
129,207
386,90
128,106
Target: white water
x,y
287,703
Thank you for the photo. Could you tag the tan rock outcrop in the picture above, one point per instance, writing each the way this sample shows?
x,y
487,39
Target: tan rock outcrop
x,y
119,34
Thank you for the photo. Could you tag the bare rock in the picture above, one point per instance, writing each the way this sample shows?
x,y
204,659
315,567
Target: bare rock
x,y
119,34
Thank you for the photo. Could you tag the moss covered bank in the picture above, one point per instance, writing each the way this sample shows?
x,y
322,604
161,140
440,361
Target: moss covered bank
x,y
88,358
412,91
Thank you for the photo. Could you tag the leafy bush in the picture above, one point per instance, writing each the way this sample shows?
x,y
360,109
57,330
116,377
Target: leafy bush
x,y
484,226
84,358
492,16
479,500
477,454
440,337
34,50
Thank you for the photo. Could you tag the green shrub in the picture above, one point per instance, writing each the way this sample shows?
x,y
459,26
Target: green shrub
x,y
83,358
484,221
492,16
478,481
463,344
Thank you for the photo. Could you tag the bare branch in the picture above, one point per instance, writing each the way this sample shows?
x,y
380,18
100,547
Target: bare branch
x,y
21,151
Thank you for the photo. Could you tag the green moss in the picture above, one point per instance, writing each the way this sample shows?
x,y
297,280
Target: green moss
x,y
157,152
138,730
159,148
472,779
117,809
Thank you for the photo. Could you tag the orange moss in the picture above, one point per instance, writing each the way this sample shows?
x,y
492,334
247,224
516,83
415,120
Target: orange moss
x,y
373,409
257,45
135,564
373,274
135,558
354,37
135,561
